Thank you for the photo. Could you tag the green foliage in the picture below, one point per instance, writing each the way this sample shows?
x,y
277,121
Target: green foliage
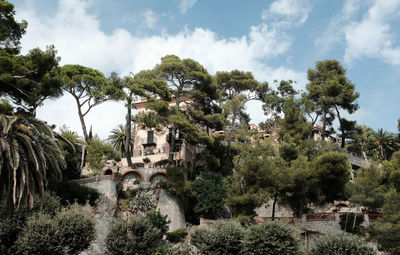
x,y
12,30
225,237
158,220
72,147
71,230
328,91
387,235
270,239
10,228
71,192
210,194
31,155
331,172
118,139
367,188
5,107
351,223
40,236
98,152
76,229
176,236
249,187
140,203
339,244
89,87
136,236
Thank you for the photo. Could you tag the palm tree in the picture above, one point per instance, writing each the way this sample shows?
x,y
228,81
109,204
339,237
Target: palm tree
x,y
29,156
118,139
387,143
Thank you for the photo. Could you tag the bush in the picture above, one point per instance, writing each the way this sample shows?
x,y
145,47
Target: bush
x,y
347,223
76,229
270,239
71,192
158,220
339,244
70,230
136,236
10,227
387,235
224,238
51,204
210,194
176,236
39,237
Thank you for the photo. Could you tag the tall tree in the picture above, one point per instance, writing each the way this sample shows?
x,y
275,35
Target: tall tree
x,y
29,80
330,90
193,94
89,88
11,30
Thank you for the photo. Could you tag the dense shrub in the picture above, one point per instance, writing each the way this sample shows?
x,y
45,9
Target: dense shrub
x,y
224,238
51,204
270,239
75,229
210,194
136,236
70,231
177,235
10,227
158,220
71,192
339,244
39,237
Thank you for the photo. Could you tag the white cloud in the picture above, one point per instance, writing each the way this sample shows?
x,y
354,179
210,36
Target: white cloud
x,y
185,5
79,40
293,11
150,19
371,36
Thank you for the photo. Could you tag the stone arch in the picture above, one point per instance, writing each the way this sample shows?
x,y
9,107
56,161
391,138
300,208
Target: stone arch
x,y
132,172
108,172
155,177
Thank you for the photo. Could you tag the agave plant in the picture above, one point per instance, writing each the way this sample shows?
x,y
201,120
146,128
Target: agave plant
x,y
29,155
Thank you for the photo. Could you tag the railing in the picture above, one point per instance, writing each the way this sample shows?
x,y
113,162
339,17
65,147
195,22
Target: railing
x,y
287,220
96,178
144,140
146,152
320,217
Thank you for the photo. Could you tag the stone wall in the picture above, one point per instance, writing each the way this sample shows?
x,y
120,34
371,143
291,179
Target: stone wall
x,y
170,205
103,214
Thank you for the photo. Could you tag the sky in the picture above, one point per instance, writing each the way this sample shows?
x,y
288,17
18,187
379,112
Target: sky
x,y
275,40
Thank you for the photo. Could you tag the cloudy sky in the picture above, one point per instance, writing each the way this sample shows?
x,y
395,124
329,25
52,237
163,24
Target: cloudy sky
x,y
275,40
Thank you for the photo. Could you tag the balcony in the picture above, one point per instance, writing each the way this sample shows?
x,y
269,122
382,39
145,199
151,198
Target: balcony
x,y
146,141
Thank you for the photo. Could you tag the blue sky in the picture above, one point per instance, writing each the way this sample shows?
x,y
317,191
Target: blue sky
x,y
278,39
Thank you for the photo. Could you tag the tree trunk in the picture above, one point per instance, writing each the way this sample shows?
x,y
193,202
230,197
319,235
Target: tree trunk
x,y
273,206
172,144
128,128
82,119
324,127
341,127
